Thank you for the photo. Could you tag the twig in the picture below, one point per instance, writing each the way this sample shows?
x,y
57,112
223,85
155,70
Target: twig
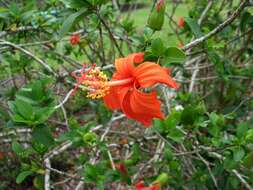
x,y
21,29
111,34
239,176
241,103
218,28
235,172
201,18
15,132
41,62
57,150
47,174
64,100
194,75
79,185
111,160
209,170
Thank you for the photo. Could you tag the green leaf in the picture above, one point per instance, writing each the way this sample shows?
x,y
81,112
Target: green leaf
x,y
176,135
77,4
37,90
25,99
238,154
4,13
250,10
173,119
193,24
157,47
94,173
18,119
229,163
42,114
38,147
246,18
38,182
158,125
42,134
248,160
102,113
22,176
12,107
234,182
17,148
168,154
147,33
36,93
189,115
173,55
68,23
241,130
24,109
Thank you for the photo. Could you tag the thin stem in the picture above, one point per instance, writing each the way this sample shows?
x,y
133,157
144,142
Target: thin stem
x,y
218,28
120,82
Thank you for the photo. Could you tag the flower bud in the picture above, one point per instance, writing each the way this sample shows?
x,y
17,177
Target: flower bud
x,y
156,18
121,168
162,179
181,22
75,39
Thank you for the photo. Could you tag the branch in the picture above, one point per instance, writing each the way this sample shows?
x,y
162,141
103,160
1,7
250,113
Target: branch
x,y
235,172
202,17
243,181
111,34
21,29
218,28
47,174
41,62
64,100
57,150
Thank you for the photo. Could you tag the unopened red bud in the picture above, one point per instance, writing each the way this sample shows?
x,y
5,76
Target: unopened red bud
x,y
75,39
121,168
181,22
160,4
156,18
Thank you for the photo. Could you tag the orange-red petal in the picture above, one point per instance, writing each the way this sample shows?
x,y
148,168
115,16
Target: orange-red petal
x,y
114,99
140,186
142,107
136,57
146,103
111,100
148,73
125,66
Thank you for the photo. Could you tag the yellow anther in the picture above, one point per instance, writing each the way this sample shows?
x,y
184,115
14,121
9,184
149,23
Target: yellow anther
x,y
96,82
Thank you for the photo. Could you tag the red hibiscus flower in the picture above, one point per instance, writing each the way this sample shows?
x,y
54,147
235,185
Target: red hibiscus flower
x,y
127,84
140,186
75,39
181,22
125,90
